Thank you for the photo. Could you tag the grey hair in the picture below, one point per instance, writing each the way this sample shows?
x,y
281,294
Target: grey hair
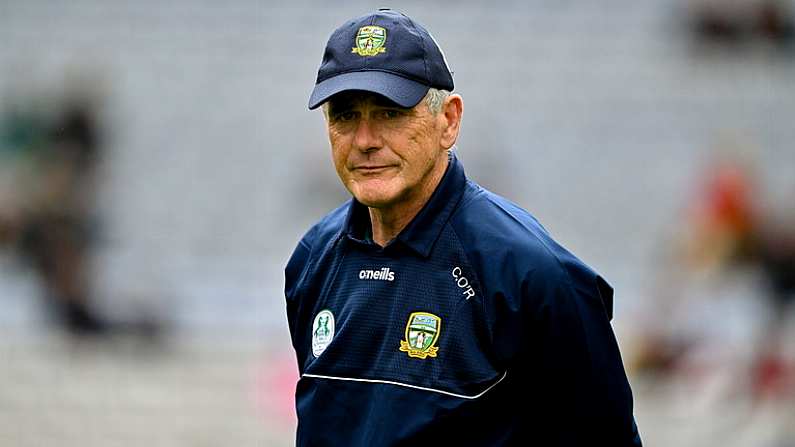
x,y
434,99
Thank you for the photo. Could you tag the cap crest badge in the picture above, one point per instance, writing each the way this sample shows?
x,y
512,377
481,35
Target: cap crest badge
x,y
422,333
370,41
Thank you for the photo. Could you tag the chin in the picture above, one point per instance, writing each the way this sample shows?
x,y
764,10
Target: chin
x,y
375,200
376,197
375,193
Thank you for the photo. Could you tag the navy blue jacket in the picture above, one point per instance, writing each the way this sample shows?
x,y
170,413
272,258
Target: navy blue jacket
x,y
472,328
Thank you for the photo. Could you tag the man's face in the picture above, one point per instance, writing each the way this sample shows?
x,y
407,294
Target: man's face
x,y
384,154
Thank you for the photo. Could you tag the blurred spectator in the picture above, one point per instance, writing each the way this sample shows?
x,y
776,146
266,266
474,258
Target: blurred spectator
x,y
730,22
47,210
774,372
724,216
729,235
716,234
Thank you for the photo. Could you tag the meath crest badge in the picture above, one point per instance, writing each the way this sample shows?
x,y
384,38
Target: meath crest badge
x,y
370,41
422,332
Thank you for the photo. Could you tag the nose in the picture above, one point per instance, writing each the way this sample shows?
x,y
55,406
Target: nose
x,y
366,139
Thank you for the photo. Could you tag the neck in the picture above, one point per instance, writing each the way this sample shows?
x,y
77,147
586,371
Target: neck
x,y
388,222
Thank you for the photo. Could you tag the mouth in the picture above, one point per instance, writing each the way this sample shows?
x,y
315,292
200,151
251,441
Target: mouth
x,y
372,169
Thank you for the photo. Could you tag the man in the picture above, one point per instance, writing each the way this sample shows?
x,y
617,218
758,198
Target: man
x,y
449,315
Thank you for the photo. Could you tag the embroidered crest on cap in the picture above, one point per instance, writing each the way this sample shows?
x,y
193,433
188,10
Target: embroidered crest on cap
x,y
422,333
322,331
370,41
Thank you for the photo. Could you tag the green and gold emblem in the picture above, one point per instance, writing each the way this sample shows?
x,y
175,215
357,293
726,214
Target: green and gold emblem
x,y
370,41
422,333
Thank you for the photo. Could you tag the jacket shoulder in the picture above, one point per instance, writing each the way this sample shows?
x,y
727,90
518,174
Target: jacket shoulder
x,y
512,251
491,224
327,228
320,235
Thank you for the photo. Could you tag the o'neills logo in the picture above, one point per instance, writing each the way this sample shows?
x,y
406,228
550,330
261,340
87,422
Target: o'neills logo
x,y
384,274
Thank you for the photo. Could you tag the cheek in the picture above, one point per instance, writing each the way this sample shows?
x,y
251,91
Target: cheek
x,y
422,145
339,155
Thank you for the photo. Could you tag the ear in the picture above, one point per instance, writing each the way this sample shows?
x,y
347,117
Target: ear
x,y
452,109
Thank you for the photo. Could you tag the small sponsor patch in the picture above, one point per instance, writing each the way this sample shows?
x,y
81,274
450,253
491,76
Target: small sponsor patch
x,y
322,331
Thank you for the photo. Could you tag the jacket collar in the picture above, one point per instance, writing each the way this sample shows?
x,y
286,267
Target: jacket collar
x,y
421,233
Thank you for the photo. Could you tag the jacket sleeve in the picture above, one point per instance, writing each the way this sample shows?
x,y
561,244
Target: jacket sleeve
x,y
570,352
293,277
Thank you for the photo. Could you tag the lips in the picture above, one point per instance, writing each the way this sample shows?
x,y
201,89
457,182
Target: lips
x,y
366,169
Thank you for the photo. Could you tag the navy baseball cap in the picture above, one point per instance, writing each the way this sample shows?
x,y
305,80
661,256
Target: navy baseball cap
x,y
384,52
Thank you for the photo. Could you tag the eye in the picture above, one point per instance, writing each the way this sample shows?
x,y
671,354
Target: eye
x,y
345,116
390,114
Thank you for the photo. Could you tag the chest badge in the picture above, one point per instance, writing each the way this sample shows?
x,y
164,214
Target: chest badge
x,y
322,331
422,333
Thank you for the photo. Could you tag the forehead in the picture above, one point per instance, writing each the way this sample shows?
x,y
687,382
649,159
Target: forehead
x,y
356,98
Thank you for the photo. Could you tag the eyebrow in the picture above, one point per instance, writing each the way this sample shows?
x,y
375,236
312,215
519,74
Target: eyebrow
x,y
346,103
383,101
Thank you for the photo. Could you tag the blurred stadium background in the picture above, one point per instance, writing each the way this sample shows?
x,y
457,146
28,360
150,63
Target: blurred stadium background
x,y
653,138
